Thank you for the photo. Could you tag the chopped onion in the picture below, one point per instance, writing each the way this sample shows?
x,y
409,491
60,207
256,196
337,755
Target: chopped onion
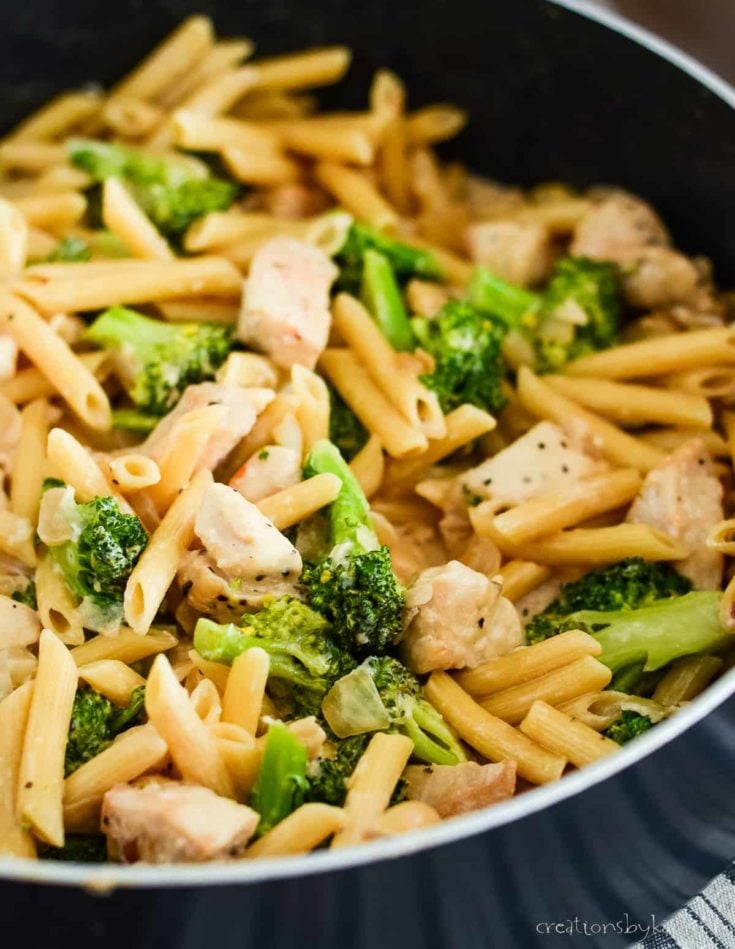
x,y
353,706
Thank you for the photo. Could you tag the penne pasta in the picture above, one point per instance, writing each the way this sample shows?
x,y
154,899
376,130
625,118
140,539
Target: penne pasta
x,y
112,678
522,576
25,491
293,505
354,192
303,830
243,697
685,679
133,472
368,466
126,220
15,840
127,646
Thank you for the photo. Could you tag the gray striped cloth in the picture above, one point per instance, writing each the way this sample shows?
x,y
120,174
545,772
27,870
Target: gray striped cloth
x,y
707,922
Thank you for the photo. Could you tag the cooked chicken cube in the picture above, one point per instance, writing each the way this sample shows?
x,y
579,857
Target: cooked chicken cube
x,y
272,469
244,543
19,624
683,497
459,789
618,228
457,618
243,407
164,821
544,459
519,253
285,308
658,276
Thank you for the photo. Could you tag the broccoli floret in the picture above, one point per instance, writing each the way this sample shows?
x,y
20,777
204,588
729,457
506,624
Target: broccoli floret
x,y
173,193
345,428
354,586
328,776
627,585
629,725
79,848
466,347
159,360
281,783
578,312
405,261
97,563
132,420
95,722
27,595
304,660
70,250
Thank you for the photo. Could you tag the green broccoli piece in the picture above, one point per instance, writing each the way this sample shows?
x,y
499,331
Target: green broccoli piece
x,y
26,596
49,483
629,725
466,347
345,428
70,250
159,360
95,722
328,776
354,586
405,261
79,848
173,193
97,563
132,420
304,660
281,783
381,294
577,313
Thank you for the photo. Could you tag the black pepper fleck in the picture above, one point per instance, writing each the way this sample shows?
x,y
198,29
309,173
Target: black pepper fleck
x,y
260,578
481,622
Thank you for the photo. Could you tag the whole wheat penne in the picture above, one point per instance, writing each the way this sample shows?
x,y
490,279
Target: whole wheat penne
x,y
491,736
617,446
562,735
627,403
528,662
659,356
49,353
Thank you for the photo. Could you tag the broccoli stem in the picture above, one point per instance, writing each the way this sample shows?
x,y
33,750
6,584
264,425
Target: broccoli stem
x,y
504,300
433,741
133,420
382,296
281,782
349,511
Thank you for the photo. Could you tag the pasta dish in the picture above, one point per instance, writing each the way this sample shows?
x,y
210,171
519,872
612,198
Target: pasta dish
x,y
343,491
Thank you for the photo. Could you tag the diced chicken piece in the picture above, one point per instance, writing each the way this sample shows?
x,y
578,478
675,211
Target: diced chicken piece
x,y
19,624
272,469
544,459
285,307
311,735
456,618
169,822
488,200
683,497
538,599
519,253
617,229
658,276
458,789
244,543
413,541
482,555
243,407
17,665
295,201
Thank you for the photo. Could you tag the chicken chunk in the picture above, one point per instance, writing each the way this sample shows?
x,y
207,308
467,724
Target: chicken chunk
x,y
244,543
164,821
272,469
536,600
658,276
285,308
243,407
683,497
519,253
19,624
456,618
544,459
617,229
458,789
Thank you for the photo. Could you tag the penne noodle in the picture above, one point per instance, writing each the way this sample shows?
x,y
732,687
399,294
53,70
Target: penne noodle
x,y
130,117
241,754
686,678
134,752
208,311
314,67
528,663
368,466
25,489
191,745
30,157
52,211
562,735
218,95
124,217
493,738
31,383
15,840
256,168
667,440
367,401
41,773
201,132
522,576
155,570
312,405
70,461
57,606
722,537
126,646
216,672
435,123
243,697
133,472
112,678
130,282
303,830
223,57
356,194
627,403
659,356
619,448
598,710
330,139
57,117
711,382
293,505
62,367
560,684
